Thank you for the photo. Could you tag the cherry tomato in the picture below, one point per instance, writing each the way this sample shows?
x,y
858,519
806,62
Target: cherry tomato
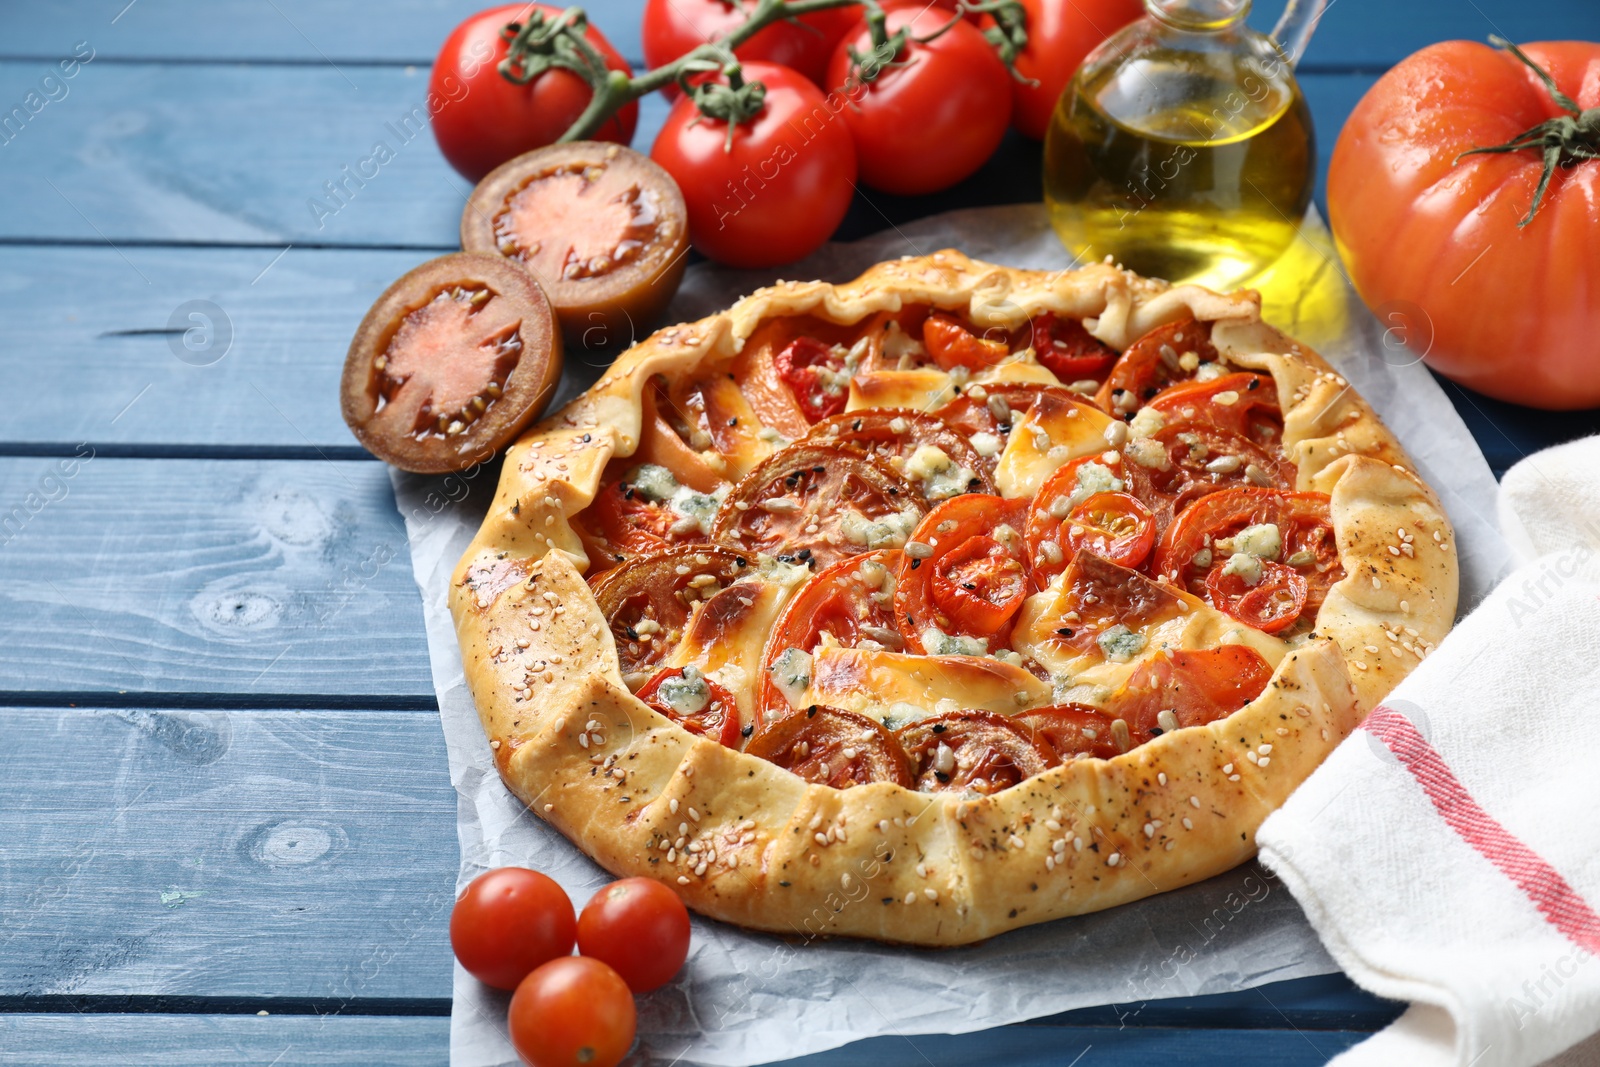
x,y
717,719
809,368
1154,362
953,345
1272,604
782,189
963,534
832,747
973,750
674,27
1244,404
481,119
640,928
1059,36
935,115
1113,525
573,1012
1067,350
509,921
1073,729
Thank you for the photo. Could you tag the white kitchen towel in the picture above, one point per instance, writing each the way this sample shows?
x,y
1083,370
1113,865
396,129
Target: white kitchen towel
x,y
1448,854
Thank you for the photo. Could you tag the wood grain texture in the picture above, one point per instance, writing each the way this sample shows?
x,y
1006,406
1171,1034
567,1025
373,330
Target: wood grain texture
x,y
1354,32
140,153
238,578
225,854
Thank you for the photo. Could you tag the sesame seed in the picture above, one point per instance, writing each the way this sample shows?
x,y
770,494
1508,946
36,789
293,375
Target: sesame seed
x,y
1050,861
821,839
883,826
682,880
1161,776
672,805
1265,750
1017,842
1251,756
1170,845
1227,768
1059,846
1149,829
931,893
1077,844
583,740
700,869
911,897
672,855
549,807
1194,802
683,828
1264,761
1188,823
1233,777
695,815
1113,859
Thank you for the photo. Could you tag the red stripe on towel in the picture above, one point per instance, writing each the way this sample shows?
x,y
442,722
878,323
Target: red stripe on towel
x,y
1560,904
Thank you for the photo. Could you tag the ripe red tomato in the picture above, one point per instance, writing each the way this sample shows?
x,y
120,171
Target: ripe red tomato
x,y
924,125
673,27
509,921
480,119
640,928
784,187
1434,242
573,1012
1059,36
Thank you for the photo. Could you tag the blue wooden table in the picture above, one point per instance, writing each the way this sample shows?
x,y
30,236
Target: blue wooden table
x,y
227,833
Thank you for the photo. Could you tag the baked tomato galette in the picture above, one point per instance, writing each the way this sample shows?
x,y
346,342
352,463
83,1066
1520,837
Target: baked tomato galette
x,y
947,600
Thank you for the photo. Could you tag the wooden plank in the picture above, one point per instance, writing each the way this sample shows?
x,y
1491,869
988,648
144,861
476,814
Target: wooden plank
x,y
410,31
225,855
242,578
141,153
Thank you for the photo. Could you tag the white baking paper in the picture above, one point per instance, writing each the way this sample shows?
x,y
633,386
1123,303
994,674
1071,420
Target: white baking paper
x,y
753,998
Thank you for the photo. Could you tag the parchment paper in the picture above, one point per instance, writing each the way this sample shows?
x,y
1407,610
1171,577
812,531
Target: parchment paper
x,y
753,998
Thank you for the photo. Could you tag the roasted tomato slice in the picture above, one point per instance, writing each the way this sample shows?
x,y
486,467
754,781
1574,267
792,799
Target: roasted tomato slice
x,y
992,412
1154,362
1115,526
953,345
818,503
450,364
1068,351
602,228
975,751
1172,690
695,702
1187,461
830,746
931,454
1100,597
1073,730
1244,404
648,602
971,541
1271,604
850,603
1207,536
630,517
812,371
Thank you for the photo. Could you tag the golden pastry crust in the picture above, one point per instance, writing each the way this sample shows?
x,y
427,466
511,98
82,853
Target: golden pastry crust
x,y
747,842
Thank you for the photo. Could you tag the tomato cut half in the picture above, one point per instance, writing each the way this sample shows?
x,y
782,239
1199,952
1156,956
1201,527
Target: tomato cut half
x,y
1154,362
1067,350
834,747
1198,459
1073,730
810,369
894,436
971,540
973,751
1197,541
1114,526
623,522
649,602
1272,604
1244,404
1173,690
850,603
953,345
698,704
817,504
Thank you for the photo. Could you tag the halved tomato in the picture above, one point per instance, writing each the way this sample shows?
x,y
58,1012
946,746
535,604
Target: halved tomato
x,y
1200,459
622,521
1114,526
830,746
819,504
1173,690
1245,404
1154,362
963,573
850,602
649,601
951,344
811,370
1189,550
976,751
1272,604
1067,350
1072,730
695,702
894,436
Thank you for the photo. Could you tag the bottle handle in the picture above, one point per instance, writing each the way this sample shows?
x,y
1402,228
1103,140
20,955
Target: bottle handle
x,y
1293,31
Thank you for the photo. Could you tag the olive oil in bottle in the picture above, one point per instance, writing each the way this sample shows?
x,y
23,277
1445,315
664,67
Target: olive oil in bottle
x,y
1182,149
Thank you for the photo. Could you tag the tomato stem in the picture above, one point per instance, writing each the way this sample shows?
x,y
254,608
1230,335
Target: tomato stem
x,y
1563,140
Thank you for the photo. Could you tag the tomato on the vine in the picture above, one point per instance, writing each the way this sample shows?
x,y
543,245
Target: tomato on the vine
x,y
573,1012
933,116
1059,36
640,928
481,119
674,27
509,921
782,188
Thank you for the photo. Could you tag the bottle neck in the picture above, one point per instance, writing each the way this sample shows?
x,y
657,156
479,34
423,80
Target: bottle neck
x,y
1198,16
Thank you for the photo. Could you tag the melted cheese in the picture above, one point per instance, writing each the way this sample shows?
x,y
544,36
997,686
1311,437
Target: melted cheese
x,y
1050,433
726,635
900,686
